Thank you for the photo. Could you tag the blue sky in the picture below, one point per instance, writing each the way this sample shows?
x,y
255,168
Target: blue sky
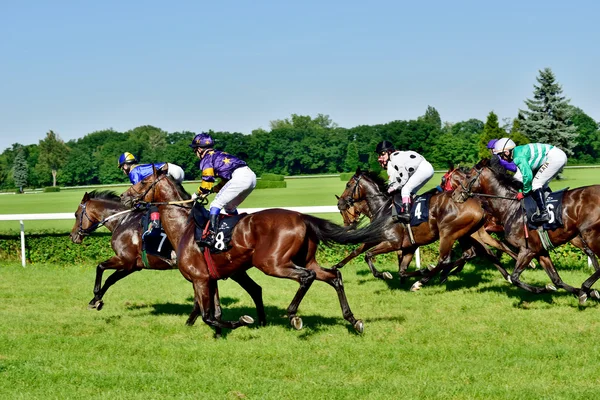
x,y
76,67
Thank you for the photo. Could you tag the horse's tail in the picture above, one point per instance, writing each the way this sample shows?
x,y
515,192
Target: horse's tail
x,y
329,233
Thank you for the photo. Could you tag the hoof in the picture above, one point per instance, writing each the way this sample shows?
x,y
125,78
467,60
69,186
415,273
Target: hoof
x,y
359,326
508,279
416,286
551,287
387,275
296,323
583,298
246,320
96,305
430,267
595,295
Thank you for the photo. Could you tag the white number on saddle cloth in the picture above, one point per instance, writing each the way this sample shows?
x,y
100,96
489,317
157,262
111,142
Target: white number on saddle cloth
x,y
164,236
418,210
550,208
219,241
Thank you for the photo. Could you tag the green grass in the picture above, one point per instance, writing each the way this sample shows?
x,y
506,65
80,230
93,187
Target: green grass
x,y
299,192
474,337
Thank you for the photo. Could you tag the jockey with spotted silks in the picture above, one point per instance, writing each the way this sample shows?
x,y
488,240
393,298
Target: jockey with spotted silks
x,y
408,171
538,163
237,180
137,172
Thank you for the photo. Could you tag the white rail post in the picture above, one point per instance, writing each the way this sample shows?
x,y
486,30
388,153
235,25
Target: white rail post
x,y
418,260
22,243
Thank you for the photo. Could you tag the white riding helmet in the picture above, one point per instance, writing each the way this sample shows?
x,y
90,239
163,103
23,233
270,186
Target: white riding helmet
x,y
504,144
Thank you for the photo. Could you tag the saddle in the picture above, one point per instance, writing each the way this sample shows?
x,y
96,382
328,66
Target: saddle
x,y
154,240
554,202
223,231
419,211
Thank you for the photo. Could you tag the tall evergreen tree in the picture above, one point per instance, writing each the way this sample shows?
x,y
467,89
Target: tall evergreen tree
x,y
546,119
351,161
20,170
491,130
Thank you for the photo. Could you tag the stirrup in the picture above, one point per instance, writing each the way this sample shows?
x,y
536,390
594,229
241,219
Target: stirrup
x,y
540,217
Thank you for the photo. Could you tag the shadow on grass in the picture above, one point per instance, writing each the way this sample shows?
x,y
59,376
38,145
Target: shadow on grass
x,y
276,316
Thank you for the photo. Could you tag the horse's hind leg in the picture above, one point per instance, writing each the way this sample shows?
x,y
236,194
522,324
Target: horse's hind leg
x,y
381,248
548,266
353,254
334,278
255,292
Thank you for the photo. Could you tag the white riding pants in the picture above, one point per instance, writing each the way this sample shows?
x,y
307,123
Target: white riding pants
x,y
231,195
418,179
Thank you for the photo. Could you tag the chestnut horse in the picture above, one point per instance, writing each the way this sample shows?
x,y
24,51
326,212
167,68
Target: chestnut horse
x,y
104,208
580,215
448,222
278,242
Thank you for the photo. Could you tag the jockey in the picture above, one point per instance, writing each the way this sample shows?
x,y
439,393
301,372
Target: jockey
x,y
137,172
383,150
408,172
237,181
510,166
538,164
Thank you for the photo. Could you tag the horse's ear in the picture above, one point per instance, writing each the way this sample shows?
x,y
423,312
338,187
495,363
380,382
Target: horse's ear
x,y
86,197
358,171
154,171
450,166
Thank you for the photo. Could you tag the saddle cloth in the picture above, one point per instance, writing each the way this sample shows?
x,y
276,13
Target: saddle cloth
x,y
554,207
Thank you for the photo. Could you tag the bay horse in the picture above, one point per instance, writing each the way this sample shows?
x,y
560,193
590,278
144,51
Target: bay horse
x,y
104,208
280,243
580,215
448,221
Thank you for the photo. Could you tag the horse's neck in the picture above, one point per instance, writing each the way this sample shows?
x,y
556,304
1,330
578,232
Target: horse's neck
x,y
376,202
502,207
104,209
174,221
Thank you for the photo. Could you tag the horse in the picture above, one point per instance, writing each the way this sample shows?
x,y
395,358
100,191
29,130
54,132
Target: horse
x,y
580,215
278,242
104,208
448,222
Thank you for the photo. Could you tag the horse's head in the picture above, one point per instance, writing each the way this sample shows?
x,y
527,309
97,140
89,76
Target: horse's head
x,y
359,191
83,221
156,188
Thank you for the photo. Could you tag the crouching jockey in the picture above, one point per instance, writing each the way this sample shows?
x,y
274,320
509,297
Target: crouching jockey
x,y
538,163
138,172
237,181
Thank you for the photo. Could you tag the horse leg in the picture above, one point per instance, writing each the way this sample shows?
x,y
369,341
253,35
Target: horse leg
x,y
480,239
99,290
381,248
255,291
205,292
444,259
305,278
523,259
588,242
194,314
353,254
333,277
580,242
548,266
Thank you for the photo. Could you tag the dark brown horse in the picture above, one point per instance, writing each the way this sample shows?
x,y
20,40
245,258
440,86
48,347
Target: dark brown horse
x,y
448,222
580,215
104,208
278,242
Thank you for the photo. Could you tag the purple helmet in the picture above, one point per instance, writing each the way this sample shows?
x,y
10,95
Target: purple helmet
x,y
202,140
491,143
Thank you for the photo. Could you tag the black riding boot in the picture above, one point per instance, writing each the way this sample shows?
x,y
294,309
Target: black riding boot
x,y
404,216
542,214
209,239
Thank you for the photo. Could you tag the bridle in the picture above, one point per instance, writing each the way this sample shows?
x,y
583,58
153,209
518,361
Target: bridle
x,y
138,195
345,203
466,191
94,225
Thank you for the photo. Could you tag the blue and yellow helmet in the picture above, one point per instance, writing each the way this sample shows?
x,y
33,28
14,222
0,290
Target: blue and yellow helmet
x,y
202,140
127,158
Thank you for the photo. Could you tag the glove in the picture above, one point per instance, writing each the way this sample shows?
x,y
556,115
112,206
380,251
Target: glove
x,y
520,196
391,189
195,196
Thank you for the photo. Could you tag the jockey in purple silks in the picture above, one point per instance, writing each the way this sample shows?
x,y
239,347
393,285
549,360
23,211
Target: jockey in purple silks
x,y
510,166
237,181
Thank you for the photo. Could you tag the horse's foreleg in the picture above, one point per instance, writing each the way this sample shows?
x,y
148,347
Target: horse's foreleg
x,y
446,243
117,263
353,254
381,248
548,266
523,259
255,292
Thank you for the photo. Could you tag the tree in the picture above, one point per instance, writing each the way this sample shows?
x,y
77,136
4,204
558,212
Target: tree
x,y
53,154
432,116
491,130
351,161
20,170
588,138
546,119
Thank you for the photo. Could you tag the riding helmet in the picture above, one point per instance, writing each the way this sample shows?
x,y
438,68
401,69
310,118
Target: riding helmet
x,y
384,146
127,158
202,140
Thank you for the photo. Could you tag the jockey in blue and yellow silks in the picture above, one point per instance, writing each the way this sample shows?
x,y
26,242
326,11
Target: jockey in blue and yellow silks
x,y
237,180
137,172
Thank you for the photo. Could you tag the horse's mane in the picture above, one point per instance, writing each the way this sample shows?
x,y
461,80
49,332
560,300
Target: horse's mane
x,y
105,195
182,192
377,179
502,176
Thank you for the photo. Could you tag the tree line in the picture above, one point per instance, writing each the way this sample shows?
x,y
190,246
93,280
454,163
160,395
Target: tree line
x,y
301,145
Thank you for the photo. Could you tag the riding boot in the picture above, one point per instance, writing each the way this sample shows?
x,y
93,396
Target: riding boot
x,y
542,214
404,216
397,206
210,238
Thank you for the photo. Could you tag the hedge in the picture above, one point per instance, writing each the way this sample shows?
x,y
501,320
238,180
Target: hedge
x,y
272,177
346,176
50,189
260,184
57,248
